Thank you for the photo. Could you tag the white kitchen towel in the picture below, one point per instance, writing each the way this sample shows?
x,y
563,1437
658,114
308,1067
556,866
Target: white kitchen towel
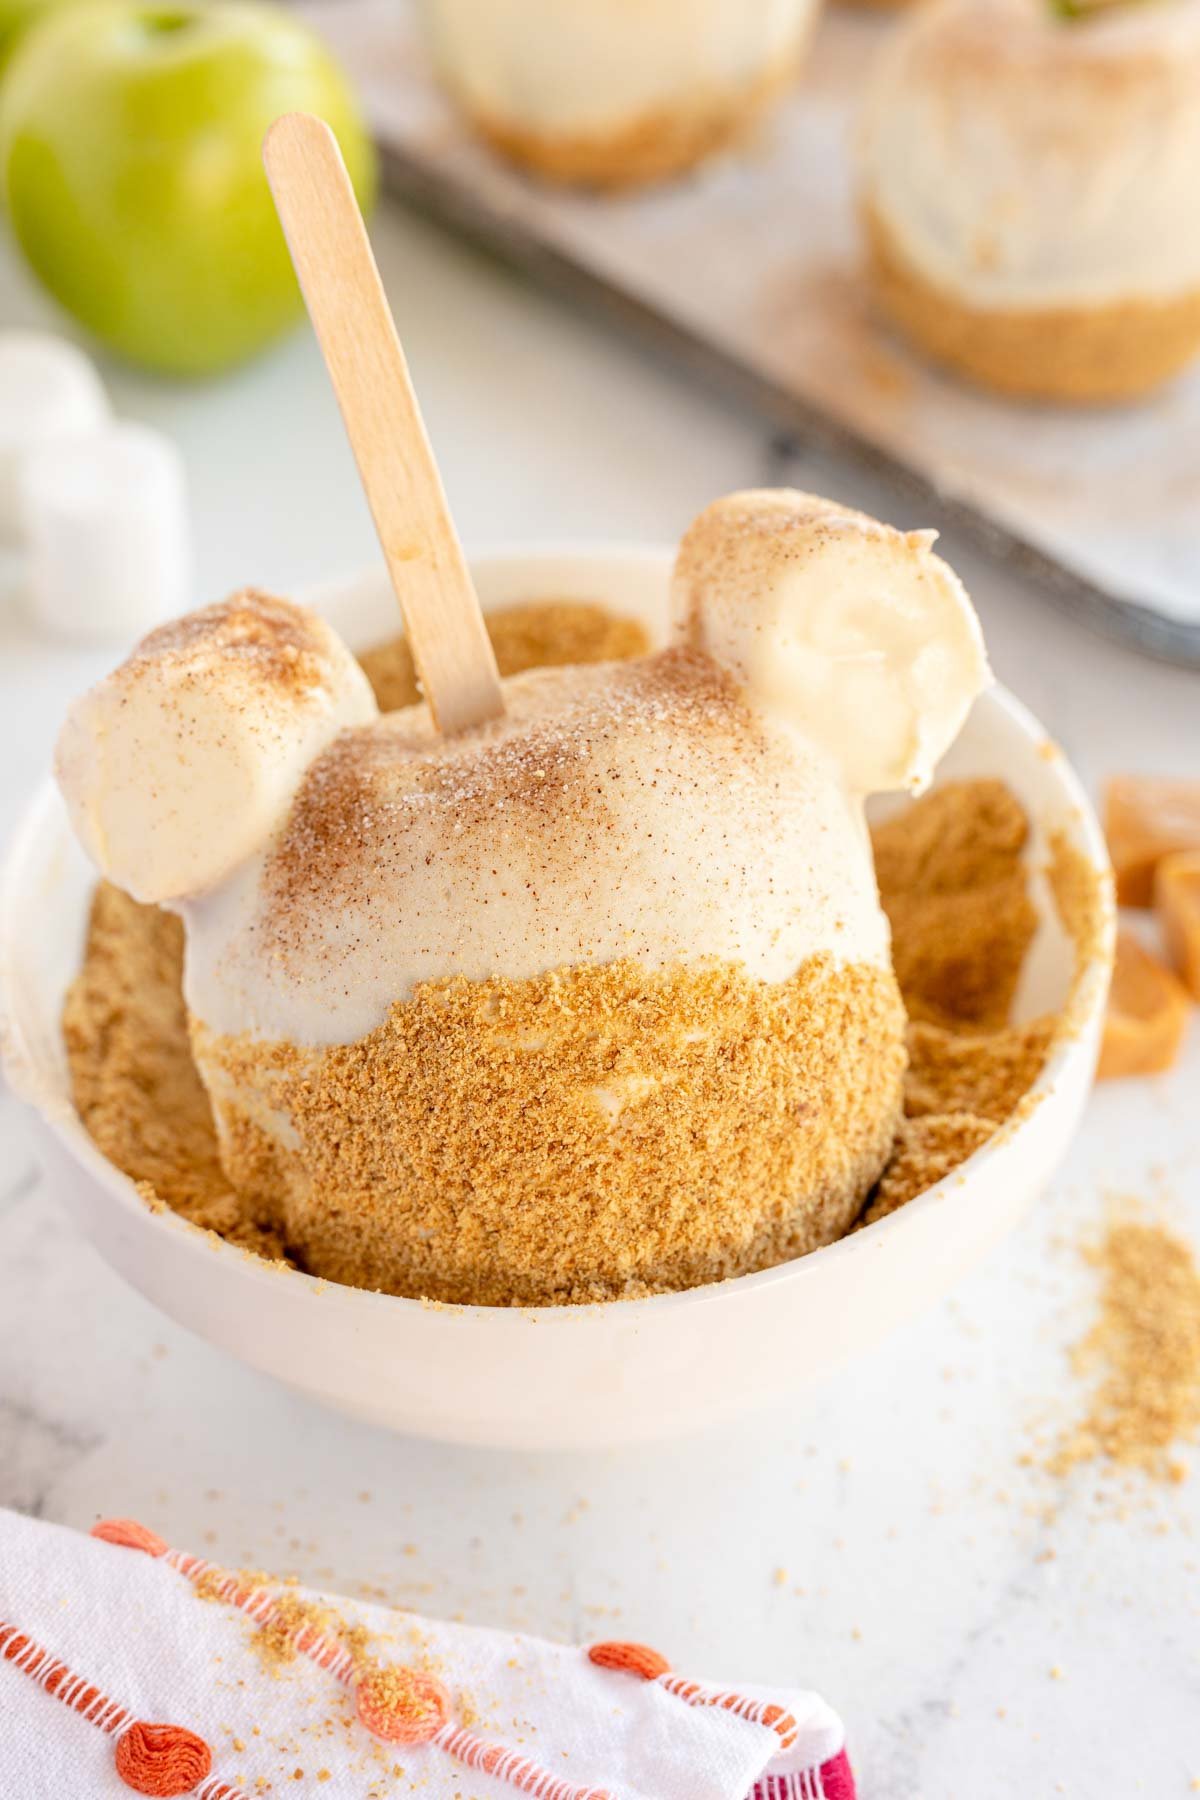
x,y
127,1666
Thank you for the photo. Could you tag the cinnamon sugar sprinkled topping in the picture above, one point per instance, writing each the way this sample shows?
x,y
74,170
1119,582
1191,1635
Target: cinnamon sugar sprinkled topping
x,y
618,810
279,642
522,773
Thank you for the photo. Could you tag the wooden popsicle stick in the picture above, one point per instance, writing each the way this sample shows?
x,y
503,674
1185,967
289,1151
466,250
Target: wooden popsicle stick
x,y
354,327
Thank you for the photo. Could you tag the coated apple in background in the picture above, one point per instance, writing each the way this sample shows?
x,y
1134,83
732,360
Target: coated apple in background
x,y
131,162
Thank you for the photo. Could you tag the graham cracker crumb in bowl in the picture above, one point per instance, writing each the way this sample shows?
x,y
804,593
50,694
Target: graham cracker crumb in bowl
x,y
953,882
133,1079
953,875
674,1091
925,1152
539,634
982,1074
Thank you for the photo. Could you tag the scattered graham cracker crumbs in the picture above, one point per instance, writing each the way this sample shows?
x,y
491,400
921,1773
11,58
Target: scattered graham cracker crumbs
x,y
538,634
953,883
1177,903
960,936
1148,1010
1147,817
1146,1346
273,1642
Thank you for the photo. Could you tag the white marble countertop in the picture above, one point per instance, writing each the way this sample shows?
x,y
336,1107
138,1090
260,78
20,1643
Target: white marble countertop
x,y
986,1630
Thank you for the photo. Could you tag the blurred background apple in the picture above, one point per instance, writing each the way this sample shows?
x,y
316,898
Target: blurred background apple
x,y
130,161
15,17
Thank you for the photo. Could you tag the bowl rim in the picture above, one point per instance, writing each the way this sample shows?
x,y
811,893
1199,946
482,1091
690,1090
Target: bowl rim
x,y
59,1115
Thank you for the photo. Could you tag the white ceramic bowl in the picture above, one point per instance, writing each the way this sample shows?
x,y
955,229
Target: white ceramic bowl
x,y
569,1376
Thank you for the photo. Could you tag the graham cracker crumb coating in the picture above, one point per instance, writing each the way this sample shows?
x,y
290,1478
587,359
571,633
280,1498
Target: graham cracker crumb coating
x,y
660,144
1115,350
586,1135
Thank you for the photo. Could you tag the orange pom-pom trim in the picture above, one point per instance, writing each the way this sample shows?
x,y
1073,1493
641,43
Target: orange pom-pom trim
x,y
633,1659
129,1535
162,1759
402,1706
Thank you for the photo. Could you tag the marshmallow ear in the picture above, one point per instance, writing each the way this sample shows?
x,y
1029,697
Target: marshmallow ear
x,y
857,634
185,760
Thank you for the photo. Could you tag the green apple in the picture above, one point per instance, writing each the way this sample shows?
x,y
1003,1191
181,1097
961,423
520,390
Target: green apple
x,y
17,16
131,164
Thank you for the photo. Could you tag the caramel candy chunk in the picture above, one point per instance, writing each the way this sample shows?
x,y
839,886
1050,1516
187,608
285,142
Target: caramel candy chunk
x,y
1147,817
1177,899
1147,1014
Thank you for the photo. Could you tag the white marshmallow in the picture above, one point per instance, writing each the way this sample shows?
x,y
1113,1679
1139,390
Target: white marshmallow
x,y
48,391
107,530
180,764
856,633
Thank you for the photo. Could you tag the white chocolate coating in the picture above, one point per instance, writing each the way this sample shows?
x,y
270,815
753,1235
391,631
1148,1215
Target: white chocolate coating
x,y
623,810
594,66
1023,160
